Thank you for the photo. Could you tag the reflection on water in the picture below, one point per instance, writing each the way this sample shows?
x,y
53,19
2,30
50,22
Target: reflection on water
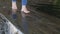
x,y
50,9
39,23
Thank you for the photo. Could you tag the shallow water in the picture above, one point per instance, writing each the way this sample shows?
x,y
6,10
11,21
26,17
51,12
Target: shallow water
x,y
38,22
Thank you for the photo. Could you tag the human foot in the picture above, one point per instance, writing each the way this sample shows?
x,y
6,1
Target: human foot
x,y
14,9
24,9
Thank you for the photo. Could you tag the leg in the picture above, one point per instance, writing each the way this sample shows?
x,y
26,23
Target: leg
x,y
24,3
14,9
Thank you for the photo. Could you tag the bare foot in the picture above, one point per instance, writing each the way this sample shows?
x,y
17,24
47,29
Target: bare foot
x,y
14,9
24,9
14,6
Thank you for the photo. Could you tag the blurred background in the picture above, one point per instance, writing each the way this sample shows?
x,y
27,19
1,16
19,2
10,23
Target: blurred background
x,y
44,17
